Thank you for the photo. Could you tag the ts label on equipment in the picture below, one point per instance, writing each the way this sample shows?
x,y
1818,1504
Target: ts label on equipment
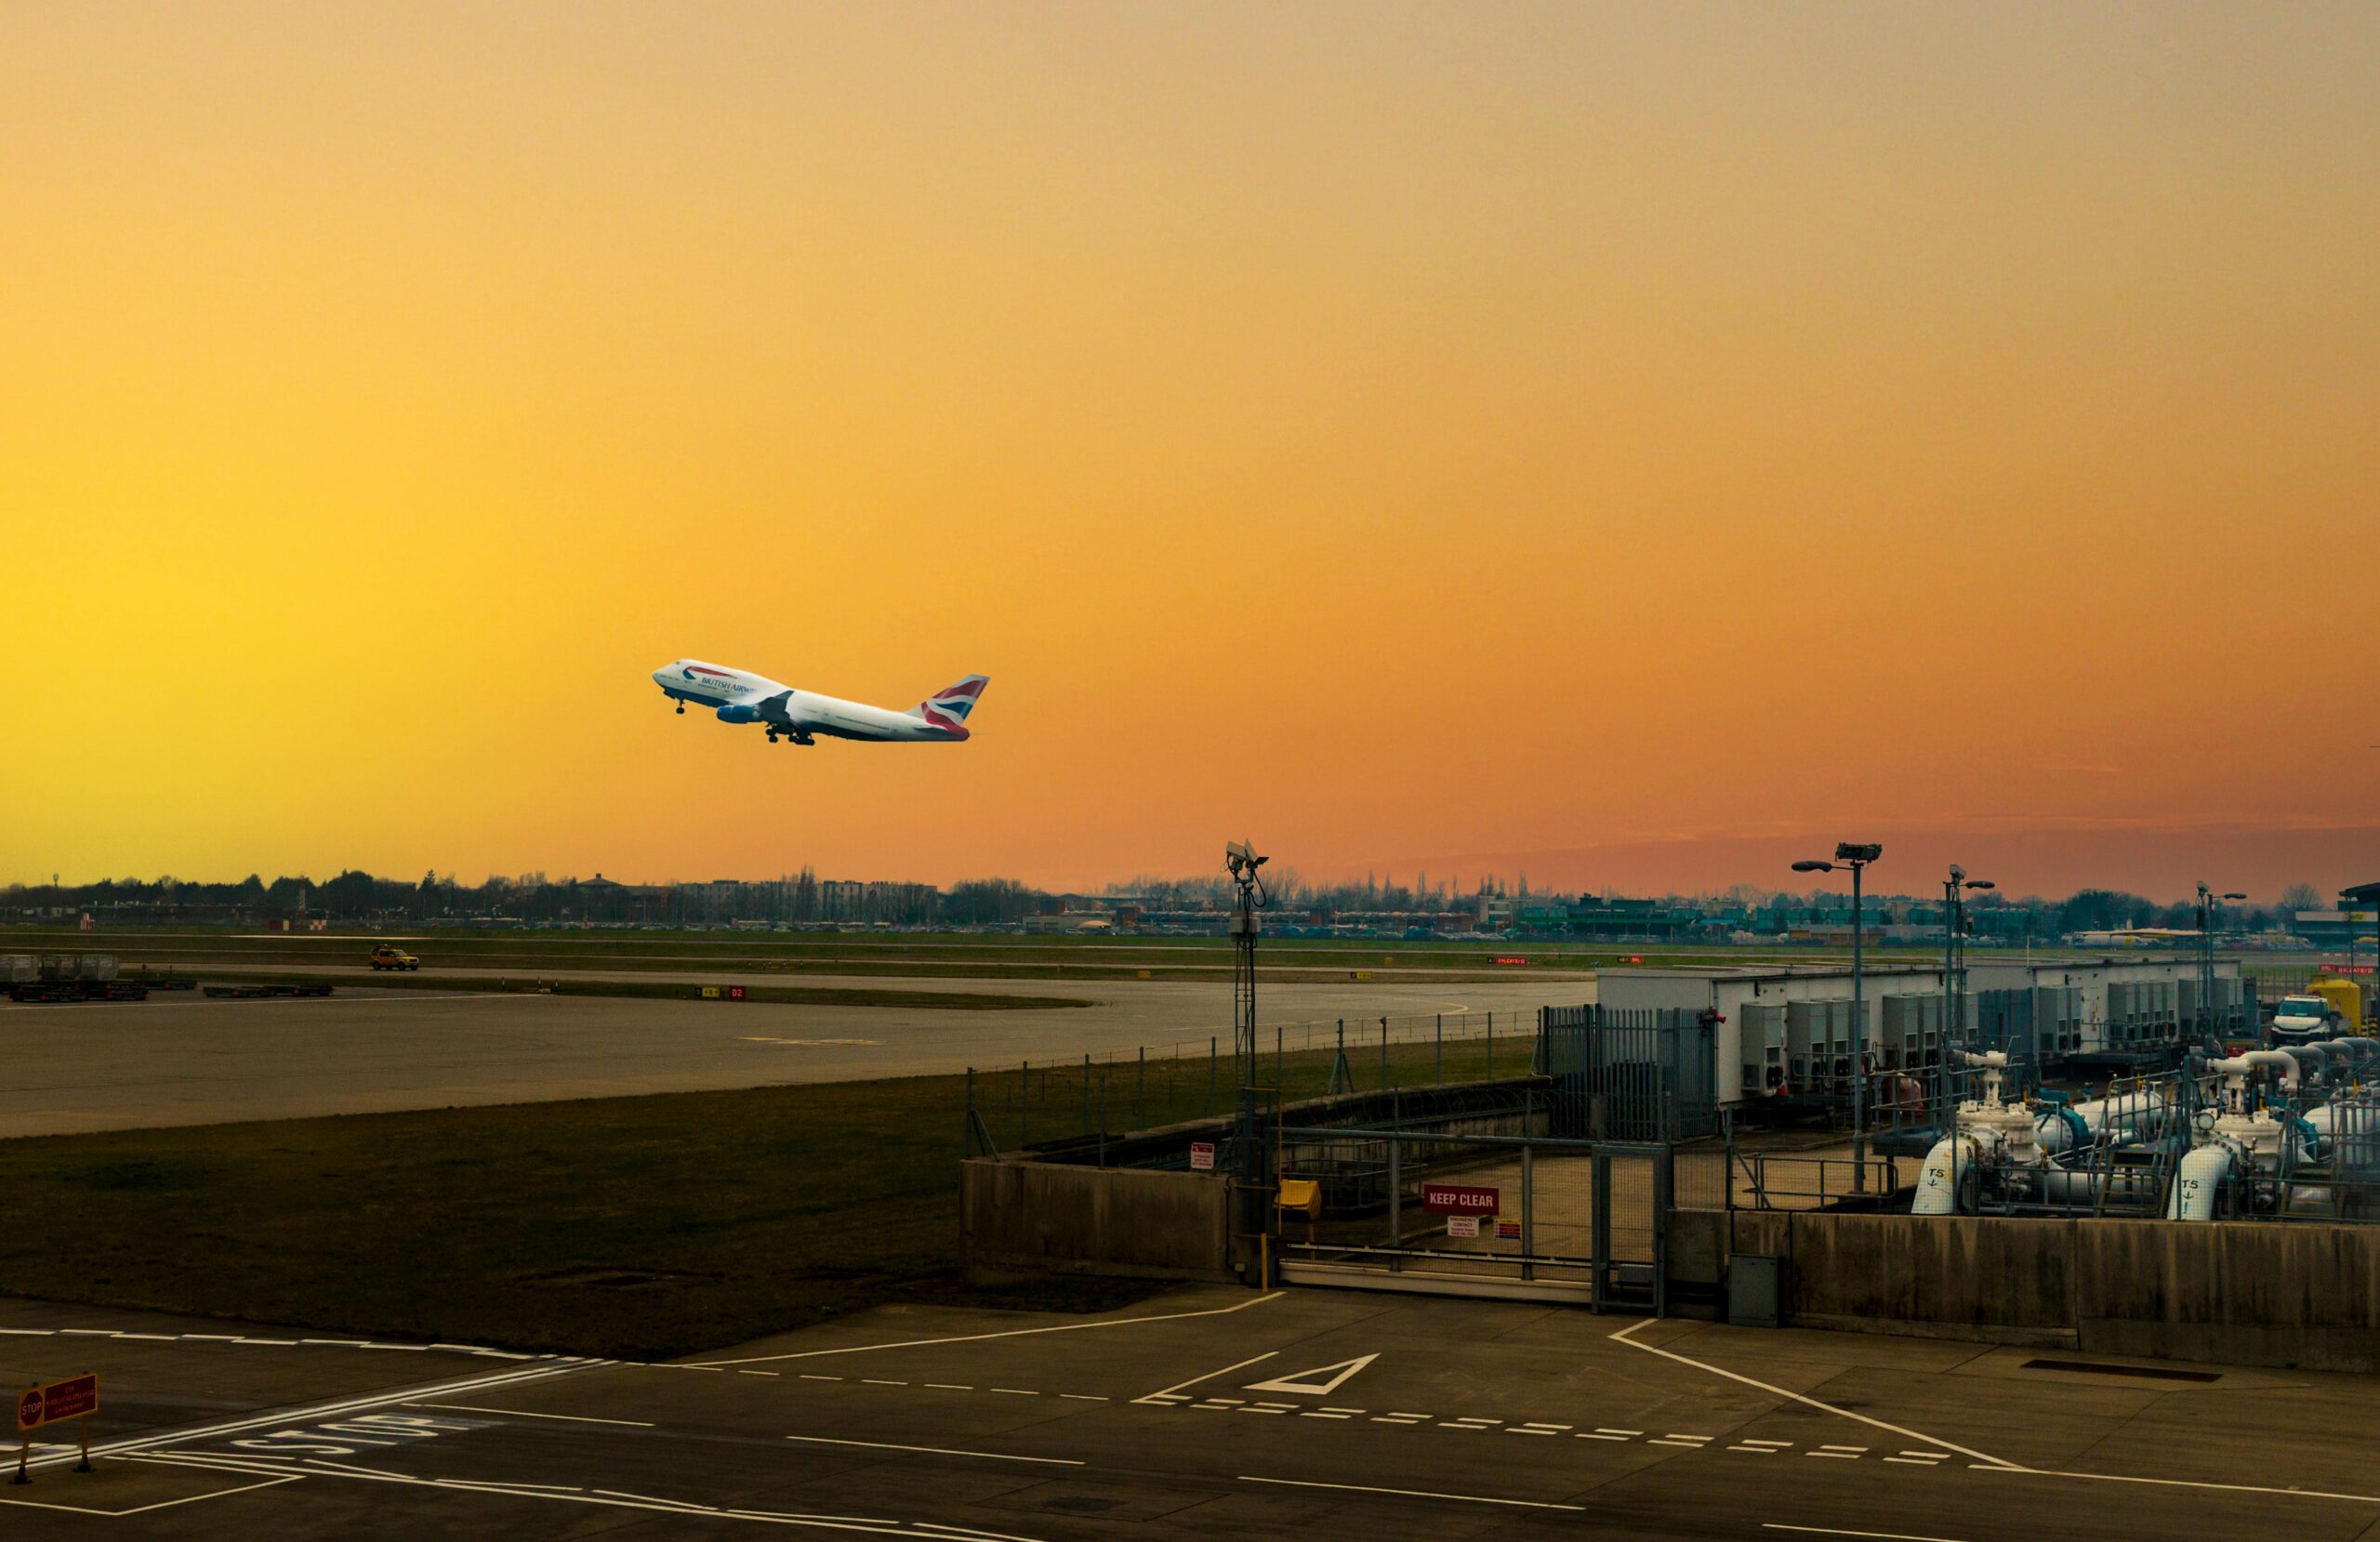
x,y
1202,1156
1452,1199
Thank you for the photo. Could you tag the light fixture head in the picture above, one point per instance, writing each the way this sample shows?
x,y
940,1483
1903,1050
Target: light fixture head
x,y
1813,868
1981,883
1851,850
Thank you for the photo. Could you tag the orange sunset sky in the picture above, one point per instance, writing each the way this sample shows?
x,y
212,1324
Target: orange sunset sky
x,y
1637,443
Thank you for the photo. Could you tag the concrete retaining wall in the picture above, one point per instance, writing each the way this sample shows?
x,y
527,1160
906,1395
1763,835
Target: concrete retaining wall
x,y
2240,1293
1023,1217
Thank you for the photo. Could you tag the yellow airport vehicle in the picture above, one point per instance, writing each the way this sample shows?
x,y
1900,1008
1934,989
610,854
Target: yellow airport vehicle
x,y
387,956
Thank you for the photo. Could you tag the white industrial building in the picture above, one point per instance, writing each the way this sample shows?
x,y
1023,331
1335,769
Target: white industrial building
x,y
2099,1008
1787,1030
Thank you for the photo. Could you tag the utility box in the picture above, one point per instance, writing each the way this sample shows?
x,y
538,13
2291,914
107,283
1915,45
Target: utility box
x,y
1762,1036
1756,1290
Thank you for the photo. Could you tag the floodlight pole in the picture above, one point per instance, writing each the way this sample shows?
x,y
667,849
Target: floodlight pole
x,y
1859,1044
1856,856
2209,906
1250,898
1953,999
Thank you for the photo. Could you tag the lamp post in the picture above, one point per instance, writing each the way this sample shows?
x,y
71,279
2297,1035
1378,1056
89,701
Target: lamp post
x,y
2209,904
1954,976
1856,857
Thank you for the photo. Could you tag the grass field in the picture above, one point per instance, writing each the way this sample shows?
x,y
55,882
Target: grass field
x,y
635,1227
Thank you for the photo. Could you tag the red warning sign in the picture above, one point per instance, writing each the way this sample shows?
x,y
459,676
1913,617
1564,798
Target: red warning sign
x,y
1456,1200
71,1399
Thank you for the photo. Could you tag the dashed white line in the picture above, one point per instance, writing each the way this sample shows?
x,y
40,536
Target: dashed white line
x,y
1168,1394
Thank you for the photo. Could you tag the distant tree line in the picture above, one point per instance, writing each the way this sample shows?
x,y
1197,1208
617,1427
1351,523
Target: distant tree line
x,y
356,896
804,898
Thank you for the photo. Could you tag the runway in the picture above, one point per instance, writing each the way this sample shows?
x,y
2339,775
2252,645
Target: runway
x,y
177,1059
1209,1411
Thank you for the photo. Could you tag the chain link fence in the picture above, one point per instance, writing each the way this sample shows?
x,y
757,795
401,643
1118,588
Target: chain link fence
x,y
1111,1095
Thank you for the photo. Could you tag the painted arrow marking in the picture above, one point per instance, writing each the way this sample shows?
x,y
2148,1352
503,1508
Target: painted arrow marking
x,y
1321,1381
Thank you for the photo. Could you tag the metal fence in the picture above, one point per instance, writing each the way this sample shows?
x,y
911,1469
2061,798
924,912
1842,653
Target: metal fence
x,y
1643,1076
1438,1208
1109,1095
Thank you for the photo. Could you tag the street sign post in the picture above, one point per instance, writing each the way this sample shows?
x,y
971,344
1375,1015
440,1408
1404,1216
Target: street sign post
x,y
75,1398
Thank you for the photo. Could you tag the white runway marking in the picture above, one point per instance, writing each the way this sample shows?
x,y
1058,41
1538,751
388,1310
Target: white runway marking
x,y
1414,1493
2189,1483
524,1414
1837,1531
937,1450
1621,1337
1009,1333
601,1498
143,1510
1320,1381
1169,1394
313,1413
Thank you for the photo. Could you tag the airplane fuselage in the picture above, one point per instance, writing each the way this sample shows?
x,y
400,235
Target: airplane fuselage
x,y
740,696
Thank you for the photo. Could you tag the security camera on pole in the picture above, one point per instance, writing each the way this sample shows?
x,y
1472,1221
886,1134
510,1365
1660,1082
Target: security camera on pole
x,y
1242,860
1954,977
1855,856
2210,907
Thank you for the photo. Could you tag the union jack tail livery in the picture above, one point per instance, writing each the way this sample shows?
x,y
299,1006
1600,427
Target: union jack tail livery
x,y
947,708
794,717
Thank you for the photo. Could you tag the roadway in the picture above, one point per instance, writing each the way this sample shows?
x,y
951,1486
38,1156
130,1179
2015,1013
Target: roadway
x,y
1209,1411
180,1059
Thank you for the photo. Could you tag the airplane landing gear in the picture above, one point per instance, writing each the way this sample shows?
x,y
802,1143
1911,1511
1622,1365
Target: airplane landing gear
x,y
682,709
772,736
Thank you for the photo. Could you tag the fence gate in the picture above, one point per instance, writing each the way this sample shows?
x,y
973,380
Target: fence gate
x,y
1463,1212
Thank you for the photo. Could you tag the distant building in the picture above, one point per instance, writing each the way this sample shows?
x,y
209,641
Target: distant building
x,y
2349,923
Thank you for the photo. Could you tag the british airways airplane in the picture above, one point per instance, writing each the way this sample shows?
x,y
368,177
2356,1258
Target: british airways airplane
x,y
796,716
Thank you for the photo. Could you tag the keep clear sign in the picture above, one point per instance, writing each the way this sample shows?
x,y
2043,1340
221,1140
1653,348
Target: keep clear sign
x,y
1463,1226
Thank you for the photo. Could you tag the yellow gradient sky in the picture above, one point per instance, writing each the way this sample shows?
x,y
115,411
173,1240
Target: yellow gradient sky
x,y
1633,443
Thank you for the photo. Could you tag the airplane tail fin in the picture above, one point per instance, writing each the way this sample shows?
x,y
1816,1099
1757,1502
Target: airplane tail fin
x,y
948,707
